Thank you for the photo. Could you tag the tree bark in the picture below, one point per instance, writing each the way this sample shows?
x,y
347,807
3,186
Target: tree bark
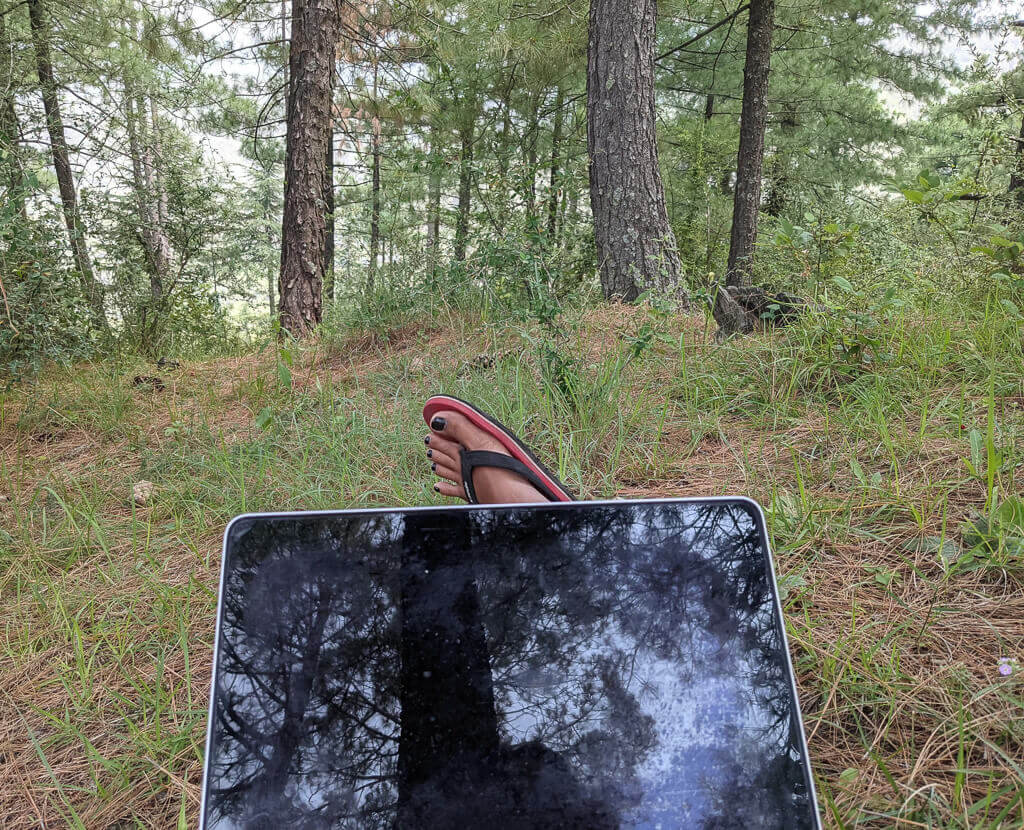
x,y
271,271
330,206
9,133
635,245
503,155
375,190
530,173
466,133
750,159
329,201
434,198
272,274
160,187
556,149
729,314
91,288
1017,175
778,197
150,194
10,136
375,206
315,33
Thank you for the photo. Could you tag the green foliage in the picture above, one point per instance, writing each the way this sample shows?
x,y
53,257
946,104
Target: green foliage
x,y
1005,266
817,249
42,315
996,540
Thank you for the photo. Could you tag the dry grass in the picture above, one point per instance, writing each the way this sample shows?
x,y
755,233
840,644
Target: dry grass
x,y
107,609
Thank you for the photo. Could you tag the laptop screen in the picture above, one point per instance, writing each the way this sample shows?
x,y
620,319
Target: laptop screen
x,y
585,665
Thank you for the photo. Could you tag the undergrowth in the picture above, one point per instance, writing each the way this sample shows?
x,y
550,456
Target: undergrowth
x,y
888,452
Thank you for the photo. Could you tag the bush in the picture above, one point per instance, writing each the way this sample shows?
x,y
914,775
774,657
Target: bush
x,y
42,314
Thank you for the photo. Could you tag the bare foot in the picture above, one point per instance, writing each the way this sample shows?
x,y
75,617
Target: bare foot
x,y
450,432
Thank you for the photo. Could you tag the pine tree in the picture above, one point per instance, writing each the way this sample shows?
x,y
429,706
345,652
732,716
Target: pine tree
x,y
314,38
635,245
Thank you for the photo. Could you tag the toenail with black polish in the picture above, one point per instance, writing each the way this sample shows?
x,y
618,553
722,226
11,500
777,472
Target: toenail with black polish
x,y
426,440
433,466
438,423
437,488
430,453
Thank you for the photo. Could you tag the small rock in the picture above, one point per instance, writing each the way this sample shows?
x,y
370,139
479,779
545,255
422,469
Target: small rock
x,y
142,492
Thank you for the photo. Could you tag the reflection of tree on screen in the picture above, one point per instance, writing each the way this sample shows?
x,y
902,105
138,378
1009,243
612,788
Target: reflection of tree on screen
x,y
501,655
305,692
454,770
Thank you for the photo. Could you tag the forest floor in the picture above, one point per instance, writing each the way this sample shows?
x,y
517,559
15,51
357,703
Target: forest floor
x,y
900,600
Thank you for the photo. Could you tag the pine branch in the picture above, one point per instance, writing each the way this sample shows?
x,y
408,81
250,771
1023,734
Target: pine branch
x,y
703,34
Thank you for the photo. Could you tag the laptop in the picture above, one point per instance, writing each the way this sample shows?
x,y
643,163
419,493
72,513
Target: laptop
x,y
618,664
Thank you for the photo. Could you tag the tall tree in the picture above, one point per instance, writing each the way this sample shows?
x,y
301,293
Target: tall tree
x,y
315,32
375,181
1017,165
91,288
467,136
148,185
556,148
10,133
729,315
635,246
329,202
435,162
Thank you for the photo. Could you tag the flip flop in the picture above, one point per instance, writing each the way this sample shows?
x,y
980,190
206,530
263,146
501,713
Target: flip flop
x,y
520,460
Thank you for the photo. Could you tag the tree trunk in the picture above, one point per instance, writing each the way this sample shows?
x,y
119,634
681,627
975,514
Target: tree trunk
x,y
271,271
10,135
330,205
729,314
556,148
465,188
503,156
91,288
530,173
434,198
315,32
150,195
1017,175
160,188
375,206
329,201
375,193
272,275
778,198
635,245
443,751
750,160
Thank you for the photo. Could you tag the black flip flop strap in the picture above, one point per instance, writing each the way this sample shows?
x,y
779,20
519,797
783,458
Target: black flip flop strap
x,y
472,459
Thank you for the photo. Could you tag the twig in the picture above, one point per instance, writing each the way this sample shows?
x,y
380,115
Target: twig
x,y
7,306
704,33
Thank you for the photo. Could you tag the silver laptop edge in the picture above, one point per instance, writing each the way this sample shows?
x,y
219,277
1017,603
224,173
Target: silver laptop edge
x,y
470,507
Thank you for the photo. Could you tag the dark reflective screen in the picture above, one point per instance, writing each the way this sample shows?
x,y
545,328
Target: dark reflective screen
x,y
574,666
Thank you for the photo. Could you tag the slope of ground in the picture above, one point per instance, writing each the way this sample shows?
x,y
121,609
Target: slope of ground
x,y
873,453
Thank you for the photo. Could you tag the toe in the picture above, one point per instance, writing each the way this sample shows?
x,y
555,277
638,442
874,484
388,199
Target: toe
x,y
446,489
453,474
444,459
456,427
440,445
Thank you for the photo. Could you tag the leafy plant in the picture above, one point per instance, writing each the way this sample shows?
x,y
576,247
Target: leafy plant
x,y
817,247
42,315
995,540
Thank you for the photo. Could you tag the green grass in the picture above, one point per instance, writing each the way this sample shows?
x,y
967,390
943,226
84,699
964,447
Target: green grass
x,y
884,472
